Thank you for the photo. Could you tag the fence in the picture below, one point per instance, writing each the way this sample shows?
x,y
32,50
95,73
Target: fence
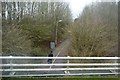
x,y
68,68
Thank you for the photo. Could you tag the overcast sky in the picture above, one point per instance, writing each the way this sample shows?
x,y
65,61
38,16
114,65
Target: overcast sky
x,y
78,5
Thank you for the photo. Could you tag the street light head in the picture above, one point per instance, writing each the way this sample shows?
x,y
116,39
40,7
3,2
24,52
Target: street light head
x,y
60,21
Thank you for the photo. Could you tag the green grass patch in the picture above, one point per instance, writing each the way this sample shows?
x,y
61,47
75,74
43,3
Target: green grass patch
x,y
66,78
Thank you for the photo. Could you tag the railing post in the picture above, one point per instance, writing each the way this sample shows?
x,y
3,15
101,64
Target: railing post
x,y
115,66
11,67
114,62
68,61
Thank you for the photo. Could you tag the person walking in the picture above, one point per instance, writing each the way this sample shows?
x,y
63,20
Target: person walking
x,y
50,55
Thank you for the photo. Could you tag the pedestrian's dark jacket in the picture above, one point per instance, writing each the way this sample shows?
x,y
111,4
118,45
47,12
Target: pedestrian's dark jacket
x,y
50,55
50,60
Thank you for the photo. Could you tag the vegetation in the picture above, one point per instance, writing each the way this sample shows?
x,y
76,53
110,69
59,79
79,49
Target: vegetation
x,y
94,32
35,23
15,41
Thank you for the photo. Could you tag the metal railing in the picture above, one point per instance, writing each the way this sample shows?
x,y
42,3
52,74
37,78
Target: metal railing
x,y
68,67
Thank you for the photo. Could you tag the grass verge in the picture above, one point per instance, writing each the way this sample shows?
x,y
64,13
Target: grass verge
x,y
66,78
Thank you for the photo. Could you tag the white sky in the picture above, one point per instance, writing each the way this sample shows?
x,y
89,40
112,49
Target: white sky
x,y
78,5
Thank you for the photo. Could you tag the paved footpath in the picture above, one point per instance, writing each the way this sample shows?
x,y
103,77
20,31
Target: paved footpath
x,y
60,51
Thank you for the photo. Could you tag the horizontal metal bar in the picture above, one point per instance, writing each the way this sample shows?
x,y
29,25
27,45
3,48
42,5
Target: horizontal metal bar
x,y
20,57
60,74
70,64
59,69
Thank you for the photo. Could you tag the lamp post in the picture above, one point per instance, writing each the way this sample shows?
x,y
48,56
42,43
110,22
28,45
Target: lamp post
x,y
56,32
